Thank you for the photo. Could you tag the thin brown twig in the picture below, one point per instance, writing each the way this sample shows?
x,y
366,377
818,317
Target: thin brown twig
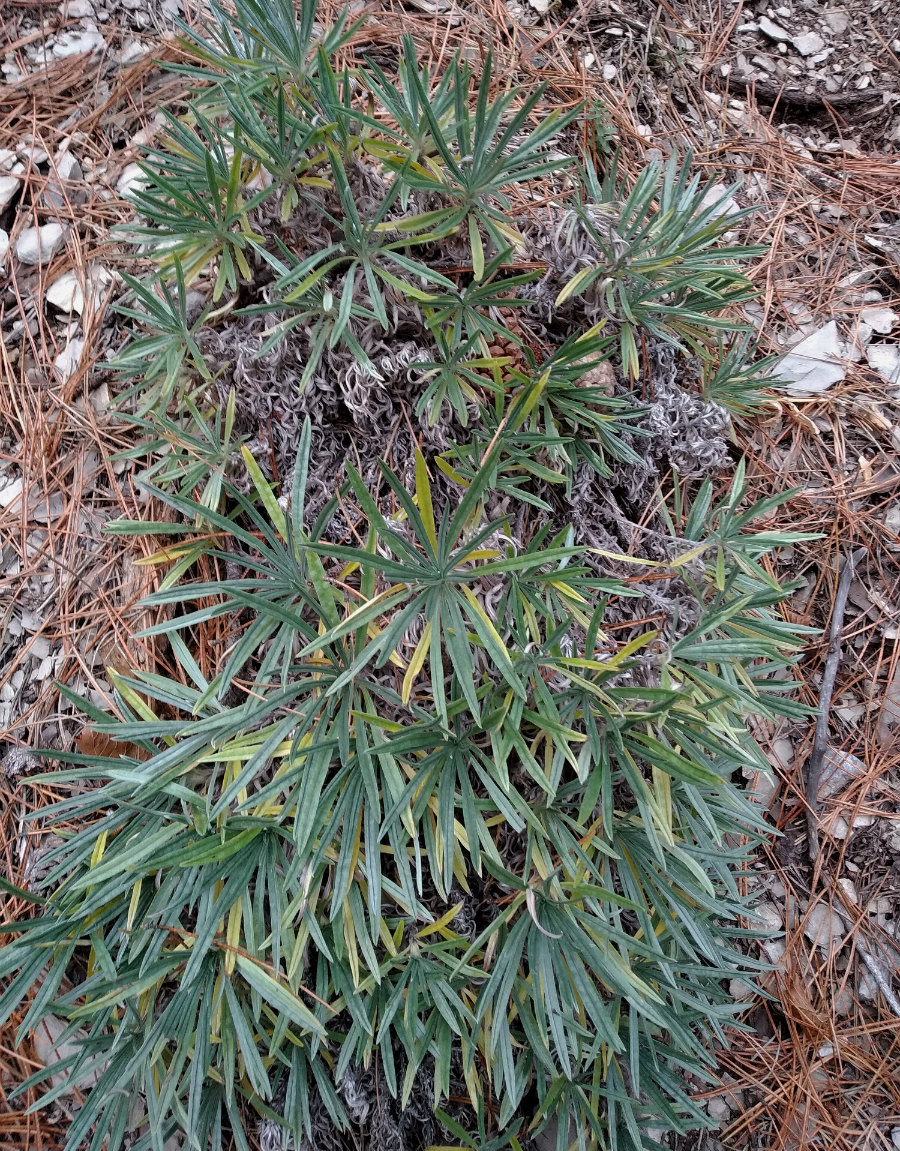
x,y
832,663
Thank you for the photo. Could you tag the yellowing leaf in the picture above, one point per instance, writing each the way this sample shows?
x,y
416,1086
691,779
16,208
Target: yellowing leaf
x,y
167,554
264,491
662,788
423,499
418,659
627,559
130,696
477,249
441,923
515,237
133,904
480,554
233,935
486,620
574,284
448,471
687,557
566,591
630,648
99,849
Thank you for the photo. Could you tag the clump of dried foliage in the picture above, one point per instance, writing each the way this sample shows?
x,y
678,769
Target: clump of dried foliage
x,y
429,834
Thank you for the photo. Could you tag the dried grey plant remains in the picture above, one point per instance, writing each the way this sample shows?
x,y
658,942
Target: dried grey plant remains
x,y
357,414
17,761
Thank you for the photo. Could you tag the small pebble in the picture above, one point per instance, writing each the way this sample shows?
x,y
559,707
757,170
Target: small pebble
x,y
740,991
77,43
774,951
131,180
809,43
62,186
132,51
772,30
838,828
840,767
30,151
16,760
37,245
849,889
39,648
824,927
9,185
66,363
770,916
842,1003
65,293
10,491
837,20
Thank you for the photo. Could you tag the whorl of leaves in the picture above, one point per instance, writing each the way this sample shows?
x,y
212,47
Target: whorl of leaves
x,y
440,844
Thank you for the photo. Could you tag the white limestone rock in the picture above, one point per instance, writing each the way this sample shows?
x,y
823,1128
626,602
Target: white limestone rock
x,y
67,292
132,179
824,927
66,363
808,44
65,182
38,245
76,43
